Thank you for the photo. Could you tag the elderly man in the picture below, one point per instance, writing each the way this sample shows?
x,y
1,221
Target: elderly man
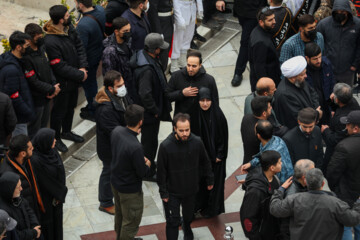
x,y
311,213
343,172
294,93
334,133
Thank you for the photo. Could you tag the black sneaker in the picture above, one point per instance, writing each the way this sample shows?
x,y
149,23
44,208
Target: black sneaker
x,y
72,137
236,81
87,115
193,45
60,146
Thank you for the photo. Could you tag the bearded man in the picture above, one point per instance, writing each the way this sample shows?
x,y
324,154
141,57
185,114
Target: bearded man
x,y
294,93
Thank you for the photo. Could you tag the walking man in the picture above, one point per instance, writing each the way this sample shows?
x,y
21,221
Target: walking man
x,y
180,158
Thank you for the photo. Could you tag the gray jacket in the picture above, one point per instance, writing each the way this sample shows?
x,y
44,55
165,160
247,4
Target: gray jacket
x,y
341,42
315,214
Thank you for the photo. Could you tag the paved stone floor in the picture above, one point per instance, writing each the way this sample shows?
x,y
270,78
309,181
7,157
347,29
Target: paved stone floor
x,y
81,214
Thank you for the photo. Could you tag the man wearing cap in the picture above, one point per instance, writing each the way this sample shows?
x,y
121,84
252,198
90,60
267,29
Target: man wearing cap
x,y
294,93
151,83
343,171
9,233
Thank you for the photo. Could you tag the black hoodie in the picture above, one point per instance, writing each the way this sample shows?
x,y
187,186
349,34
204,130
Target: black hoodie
x,y
341,41
17,208
256,220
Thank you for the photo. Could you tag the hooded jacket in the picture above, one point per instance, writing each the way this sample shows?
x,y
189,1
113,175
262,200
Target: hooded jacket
x,y
66,54
341,42
256,220
14,84
108,115
17,208
115,58
151,84
179,165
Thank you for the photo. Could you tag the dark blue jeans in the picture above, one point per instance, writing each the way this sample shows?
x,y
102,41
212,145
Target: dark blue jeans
x,y
91,88
105,193
247,24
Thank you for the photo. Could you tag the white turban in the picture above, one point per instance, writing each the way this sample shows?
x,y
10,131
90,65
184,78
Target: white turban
x,y
293,67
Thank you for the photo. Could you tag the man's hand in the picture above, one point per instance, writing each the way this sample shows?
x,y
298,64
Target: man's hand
x,y
332,95
352,68
147,162
57,89
37,228
210,187
85,73
320,112
220,5
287,183
244,168
241,181
323,127
218,160
165,199
190,91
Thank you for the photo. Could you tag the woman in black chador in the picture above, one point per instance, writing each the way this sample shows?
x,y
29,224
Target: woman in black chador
x,y
50,174
213,129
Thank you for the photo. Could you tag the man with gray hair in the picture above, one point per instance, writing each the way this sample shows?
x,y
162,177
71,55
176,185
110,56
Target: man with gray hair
x,y
344,102
311,213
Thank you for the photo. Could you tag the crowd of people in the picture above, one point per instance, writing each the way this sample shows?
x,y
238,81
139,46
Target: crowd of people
x,y
304,61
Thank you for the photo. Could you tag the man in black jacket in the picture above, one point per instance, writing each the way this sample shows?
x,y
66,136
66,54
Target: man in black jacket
x,y
68,61
246,12
344,102
184,85
341,33
263,58
151,84
28,227
111,102
305,141
8,121
114,9
260,183
343,172
294,93
181,158
18,161
161,20
40,77
127,171
13,82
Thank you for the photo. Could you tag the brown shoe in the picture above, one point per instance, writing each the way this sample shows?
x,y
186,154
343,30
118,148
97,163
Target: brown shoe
x,y
109,210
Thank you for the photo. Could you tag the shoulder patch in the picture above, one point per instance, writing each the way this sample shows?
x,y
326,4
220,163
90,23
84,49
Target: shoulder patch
x,y
248,225
55,61
14,95
29,74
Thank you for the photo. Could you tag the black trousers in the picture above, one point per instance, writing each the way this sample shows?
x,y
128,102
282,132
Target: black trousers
x,y
209,8
167,28
149,140
172,215
63,111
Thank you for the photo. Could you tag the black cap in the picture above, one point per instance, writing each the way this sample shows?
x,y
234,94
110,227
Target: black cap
x,y
9,221
352,117
155,40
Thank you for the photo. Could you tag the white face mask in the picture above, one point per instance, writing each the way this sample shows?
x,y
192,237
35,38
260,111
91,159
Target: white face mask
x,y
121,91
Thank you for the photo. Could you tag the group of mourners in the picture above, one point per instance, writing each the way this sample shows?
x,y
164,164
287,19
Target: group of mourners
x,y
302,70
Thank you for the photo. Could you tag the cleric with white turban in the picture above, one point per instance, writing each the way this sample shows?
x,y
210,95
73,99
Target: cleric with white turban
x,y
293,67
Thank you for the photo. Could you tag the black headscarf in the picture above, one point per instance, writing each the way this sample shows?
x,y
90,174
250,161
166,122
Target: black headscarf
x,y
42,142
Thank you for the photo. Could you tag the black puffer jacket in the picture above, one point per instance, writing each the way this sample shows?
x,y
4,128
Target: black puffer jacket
x,y
109,114
341,42
21,211
66,54
14,84
8,119
39,75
